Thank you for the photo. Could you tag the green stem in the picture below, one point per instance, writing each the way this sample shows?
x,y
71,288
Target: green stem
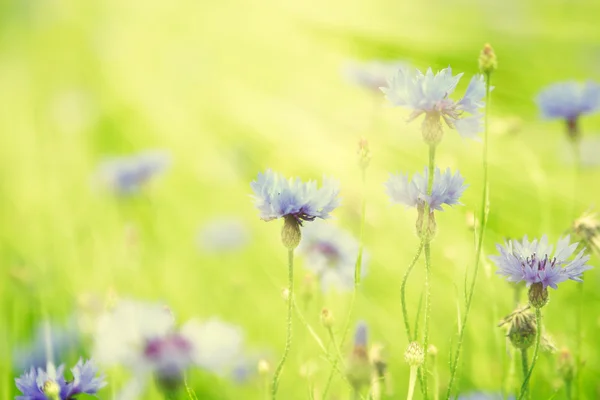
x,y
524,362
403,292
482,224
417,318
412,380
568,389
538,336
334,343
579,340
288,339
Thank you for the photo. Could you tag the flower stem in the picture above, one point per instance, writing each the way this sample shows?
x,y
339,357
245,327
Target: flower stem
x,y
524,362
403,292
288,339
412,380
485,207
538,336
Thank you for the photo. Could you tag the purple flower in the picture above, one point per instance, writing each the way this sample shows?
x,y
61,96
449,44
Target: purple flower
x,y
360,335
331,253
277,197
50,384
569,100
533,262
144,338
372,75
429,94
446,189
127,175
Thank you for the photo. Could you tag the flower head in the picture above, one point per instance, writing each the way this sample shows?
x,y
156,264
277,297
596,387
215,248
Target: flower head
x,y
429,94
278,197
127,175
534,262
144,338
372,75
50,383
522,327
447,189
569,100
330,253
358,367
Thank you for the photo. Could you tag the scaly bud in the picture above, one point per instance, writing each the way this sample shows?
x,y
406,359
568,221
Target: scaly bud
x,y
290,233
538,295
488,62
522,328
414,355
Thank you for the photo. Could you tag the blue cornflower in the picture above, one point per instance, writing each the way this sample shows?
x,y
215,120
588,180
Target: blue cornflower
x,y
447,189
50,384
373,74
331,253
429,94
533,262
358,366
568,101
127,175
278,197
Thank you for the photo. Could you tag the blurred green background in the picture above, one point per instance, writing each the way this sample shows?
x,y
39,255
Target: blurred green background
x,y
231,88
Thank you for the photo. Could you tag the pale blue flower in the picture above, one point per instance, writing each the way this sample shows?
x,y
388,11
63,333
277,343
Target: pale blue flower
x,y
128,174
35,384
447,189
277,197
373,74
221,235
360,334
429,94
330,253
569,100
534,262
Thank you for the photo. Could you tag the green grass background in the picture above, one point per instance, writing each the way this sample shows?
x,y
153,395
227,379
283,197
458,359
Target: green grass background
x,y
231,88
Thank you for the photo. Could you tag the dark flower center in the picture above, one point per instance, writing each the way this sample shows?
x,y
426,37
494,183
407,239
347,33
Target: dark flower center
x,y
329,251
539,264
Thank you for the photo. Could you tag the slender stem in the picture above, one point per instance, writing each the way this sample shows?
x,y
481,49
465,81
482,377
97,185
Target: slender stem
x,y
482,224
579,340
436,380
403,293
538,336
334,343
568,389
412,380
363,209
288,339
417,317
524,363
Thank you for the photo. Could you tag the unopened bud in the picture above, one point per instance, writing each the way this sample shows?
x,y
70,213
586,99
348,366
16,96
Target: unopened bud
x,y
414,355
263,367
432,129
538,295
566,366
364,153
52,390
488,62
326,318
522,328
290,233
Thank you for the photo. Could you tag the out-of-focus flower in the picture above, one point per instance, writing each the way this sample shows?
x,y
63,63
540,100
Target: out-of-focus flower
x,y
447,189
429,94
373,74
568,101
50,383
128,174
222,235
61,339
144,338
533,262
587,228
331,254
358,367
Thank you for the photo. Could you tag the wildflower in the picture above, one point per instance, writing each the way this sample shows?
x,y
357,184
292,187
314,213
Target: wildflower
x,y
372,75
568,101
522,327
127,175
294,200
587,228
50,383
429,94
488,62
60,338
358,367
223,235
144,338
331,253
566,365
446,189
